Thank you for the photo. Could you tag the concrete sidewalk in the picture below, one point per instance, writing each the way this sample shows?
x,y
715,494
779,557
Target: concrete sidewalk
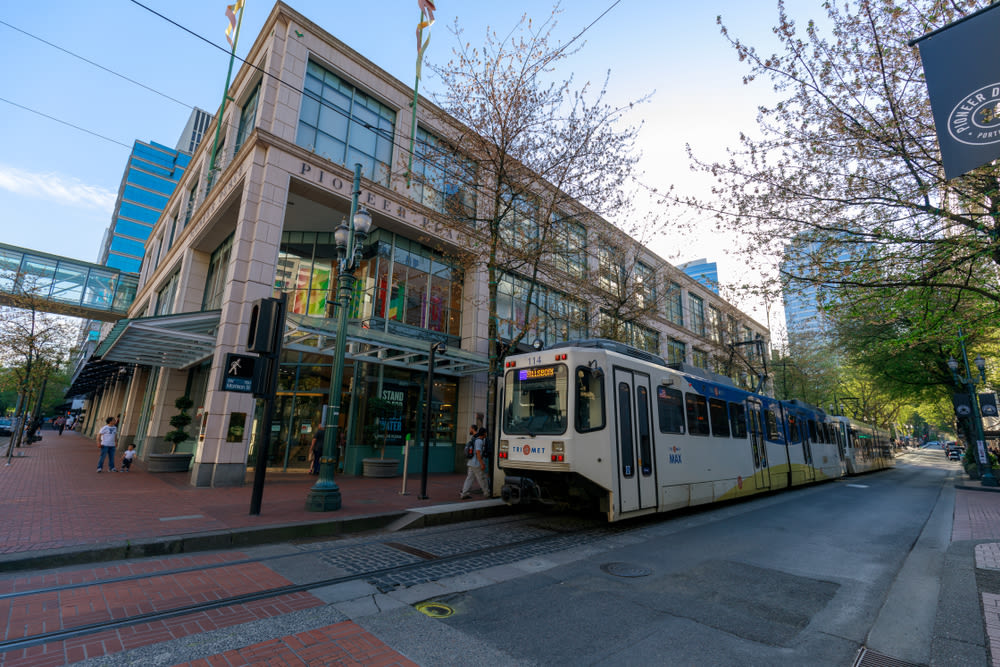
x,y
59,511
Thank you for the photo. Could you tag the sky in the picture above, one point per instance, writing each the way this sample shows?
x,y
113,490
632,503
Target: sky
x,y
58,184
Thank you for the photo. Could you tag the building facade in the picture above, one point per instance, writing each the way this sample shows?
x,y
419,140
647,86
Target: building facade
x,y
305,110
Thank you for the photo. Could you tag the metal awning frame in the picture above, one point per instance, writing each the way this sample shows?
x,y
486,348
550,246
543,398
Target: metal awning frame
x,y
318,336
172,341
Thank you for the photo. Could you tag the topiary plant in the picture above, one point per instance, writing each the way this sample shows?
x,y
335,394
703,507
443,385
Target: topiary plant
x,y
180,422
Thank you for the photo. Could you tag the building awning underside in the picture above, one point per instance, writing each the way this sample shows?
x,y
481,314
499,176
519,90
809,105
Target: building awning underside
x,y
169,341
319,335
96,373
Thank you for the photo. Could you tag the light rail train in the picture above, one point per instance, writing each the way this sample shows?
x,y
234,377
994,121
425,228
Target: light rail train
x,y
599,424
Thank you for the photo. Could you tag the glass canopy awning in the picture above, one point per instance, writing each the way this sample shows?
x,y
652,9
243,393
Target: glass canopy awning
x,y
170,341
318,335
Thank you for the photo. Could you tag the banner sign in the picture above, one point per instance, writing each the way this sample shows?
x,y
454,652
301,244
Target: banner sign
x,y
962,406
988,405
962,70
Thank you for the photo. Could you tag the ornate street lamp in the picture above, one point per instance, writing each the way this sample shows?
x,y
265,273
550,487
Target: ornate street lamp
x,y
324,496
970,383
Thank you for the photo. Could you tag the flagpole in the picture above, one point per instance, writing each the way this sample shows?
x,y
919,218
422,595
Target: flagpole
x,y
225,94
426,21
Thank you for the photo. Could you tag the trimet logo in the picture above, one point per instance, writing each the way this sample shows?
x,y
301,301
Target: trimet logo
x,y
976,119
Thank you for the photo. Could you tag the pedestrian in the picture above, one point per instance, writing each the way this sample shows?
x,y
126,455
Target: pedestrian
x,y
316,450
475,465
60,423
70,422
106,441
127,458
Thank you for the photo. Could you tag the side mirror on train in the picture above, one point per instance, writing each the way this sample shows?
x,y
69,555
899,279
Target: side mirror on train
x,y
597,371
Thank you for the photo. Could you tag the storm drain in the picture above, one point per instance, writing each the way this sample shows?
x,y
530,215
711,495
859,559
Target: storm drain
x,y
626,570
869,658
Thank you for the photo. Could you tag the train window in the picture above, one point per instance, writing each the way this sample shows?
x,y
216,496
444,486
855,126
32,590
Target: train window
x,y
669,406
537,400
793,428
645,438
738,420
718,417
812,430
697,414
589,400
772,426
625,429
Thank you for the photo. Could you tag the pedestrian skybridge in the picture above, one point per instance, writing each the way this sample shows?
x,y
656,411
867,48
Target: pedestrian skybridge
x,y
31,279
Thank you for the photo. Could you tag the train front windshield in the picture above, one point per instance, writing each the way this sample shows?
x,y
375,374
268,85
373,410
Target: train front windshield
x,y
535,400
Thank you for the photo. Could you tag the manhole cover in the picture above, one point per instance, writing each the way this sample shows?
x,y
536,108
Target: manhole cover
x,y
435,609
626,570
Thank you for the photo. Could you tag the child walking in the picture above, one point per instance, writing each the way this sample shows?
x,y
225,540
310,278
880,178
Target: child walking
x,y
127,458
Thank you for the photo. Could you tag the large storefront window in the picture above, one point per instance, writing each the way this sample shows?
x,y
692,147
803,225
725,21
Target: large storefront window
x,y
551,316
345,125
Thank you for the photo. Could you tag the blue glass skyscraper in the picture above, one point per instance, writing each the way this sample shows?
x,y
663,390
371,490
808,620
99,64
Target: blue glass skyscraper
x,y
704,271
150,176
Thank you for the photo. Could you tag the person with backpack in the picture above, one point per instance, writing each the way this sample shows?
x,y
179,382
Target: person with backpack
x,y
475,465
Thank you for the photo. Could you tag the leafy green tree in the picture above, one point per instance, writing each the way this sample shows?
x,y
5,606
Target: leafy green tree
x,y
842,183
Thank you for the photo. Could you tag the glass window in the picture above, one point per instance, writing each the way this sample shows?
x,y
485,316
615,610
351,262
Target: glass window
x,y
715,323
719,417
609,268
631,333
589,400
738,420
669,406
699,358
697,307
793,428
442,179
215,283
676,351
645,285
645,437
625,429
697,414
536,400
812,431
248,117
570,247
345,125
675,304
166,295
772,425
192,196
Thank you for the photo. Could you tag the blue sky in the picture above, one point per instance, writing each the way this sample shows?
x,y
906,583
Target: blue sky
x,y
58,184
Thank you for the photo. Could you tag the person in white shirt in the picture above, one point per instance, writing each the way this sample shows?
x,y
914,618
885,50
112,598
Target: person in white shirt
x,y
106,438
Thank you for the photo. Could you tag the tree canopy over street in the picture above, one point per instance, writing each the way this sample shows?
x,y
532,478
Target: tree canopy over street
x,y
842,185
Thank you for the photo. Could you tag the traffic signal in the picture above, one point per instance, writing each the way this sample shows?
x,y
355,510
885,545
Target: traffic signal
x,y
266,326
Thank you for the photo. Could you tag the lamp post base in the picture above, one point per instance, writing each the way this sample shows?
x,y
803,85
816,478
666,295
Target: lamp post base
x,y
323,500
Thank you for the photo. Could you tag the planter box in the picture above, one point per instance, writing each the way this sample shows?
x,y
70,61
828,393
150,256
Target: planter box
x,y
179,462
380,467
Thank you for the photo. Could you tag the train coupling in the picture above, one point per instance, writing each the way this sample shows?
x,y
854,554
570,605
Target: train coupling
x,y
519,490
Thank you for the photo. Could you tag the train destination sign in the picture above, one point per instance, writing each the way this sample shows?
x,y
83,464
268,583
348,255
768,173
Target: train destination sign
x,y
536,373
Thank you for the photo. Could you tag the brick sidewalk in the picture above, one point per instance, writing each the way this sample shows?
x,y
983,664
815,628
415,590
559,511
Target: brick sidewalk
x,y
53,498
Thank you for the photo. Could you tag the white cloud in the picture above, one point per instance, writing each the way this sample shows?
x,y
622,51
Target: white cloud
x,y
63,189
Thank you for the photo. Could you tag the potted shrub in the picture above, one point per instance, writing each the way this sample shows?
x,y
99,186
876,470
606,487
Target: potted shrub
x,y
174,461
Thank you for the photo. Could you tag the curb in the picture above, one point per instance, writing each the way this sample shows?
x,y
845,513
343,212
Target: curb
x,y
243,537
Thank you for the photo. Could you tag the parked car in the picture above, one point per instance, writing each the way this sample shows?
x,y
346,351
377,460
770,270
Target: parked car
x,y
954,455
6,427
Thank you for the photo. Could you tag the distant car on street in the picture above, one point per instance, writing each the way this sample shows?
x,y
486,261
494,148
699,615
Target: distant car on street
x,y
933,444
6,427
954,455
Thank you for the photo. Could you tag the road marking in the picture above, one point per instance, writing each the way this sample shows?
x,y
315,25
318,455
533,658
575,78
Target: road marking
x,y
181,518
858,486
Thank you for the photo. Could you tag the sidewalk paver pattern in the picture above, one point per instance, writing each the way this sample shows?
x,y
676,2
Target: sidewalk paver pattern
x,y
54,499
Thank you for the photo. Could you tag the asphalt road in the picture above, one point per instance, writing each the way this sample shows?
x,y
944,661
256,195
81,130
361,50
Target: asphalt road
x,y
803,577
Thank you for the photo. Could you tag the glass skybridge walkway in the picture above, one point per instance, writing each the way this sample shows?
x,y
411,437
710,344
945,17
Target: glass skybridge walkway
x,y
29,278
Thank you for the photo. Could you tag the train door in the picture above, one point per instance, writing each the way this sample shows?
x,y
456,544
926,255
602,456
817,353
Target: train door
x,y
634,441
807,455
758,446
